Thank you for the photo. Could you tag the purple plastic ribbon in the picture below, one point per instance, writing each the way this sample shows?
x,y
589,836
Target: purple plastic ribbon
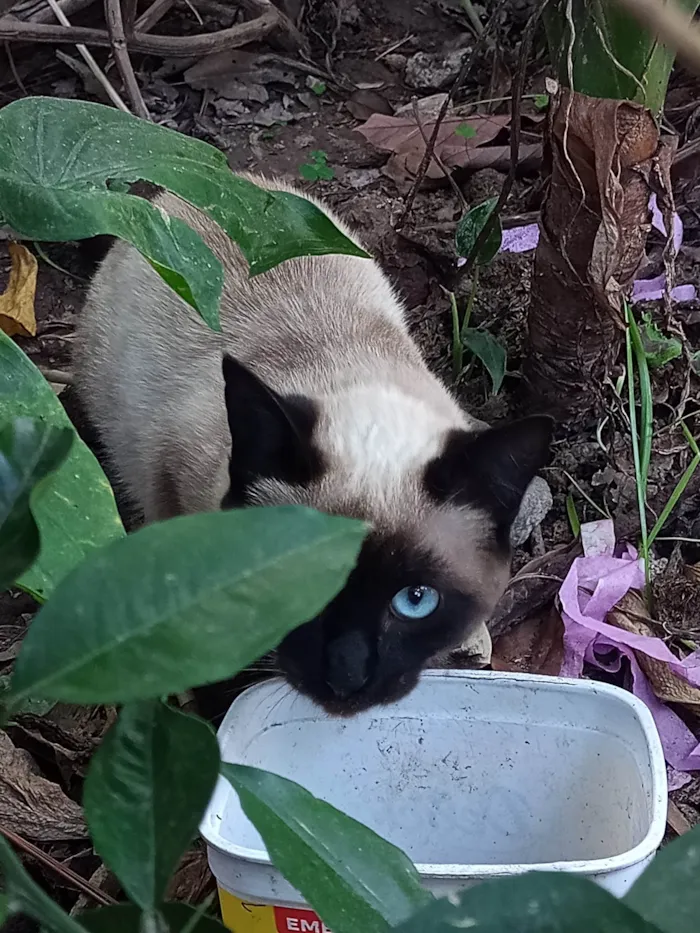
x,y
595,584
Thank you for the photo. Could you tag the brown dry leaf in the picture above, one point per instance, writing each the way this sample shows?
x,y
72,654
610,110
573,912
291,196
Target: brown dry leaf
x,y
533,588
30,805
364,103
631,615
692,572
17,301
192,880
535,646
401,135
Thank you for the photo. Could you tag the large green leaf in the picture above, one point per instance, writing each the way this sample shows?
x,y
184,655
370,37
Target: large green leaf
x,y
601,50
125,918
189,601
491,353
25,896
74,508
351,876
147,788
539,902
56,157
29,451
668,893
469,229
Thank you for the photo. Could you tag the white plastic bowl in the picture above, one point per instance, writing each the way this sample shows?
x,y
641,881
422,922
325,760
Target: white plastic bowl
x,y
473,775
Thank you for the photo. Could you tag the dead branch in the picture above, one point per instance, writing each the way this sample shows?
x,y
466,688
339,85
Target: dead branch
x,y
89,60
152,16
128,10
672,24
270,20
515,125
115,27
68,875
45,14
467,63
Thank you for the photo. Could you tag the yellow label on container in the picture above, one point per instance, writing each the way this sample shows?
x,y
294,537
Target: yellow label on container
x,y
245,917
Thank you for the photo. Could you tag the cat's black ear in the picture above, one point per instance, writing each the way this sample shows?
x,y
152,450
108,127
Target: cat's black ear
x,y
493,468
271,434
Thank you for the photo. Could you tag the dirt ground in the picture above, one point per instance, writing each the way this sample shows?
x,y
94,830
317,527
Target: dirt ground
x,y
293,116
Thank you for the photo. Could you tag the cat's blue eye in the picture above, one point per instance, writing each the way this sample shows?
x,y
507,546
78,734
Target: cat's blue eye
x,y
415,602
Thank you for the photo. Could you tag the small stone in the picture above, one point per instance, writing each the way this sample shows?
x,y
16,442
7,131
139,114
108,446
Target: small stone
x,y
395,61
476,649
432,71
536,503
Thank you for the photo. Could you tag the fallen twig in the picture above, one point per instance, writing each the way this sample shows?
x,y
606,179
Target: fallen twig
x,y
152,16
115,27
67,874
85,53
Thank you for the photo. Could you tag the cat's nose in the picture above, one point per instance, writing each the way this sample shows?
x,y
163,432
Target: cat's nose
x,y
347,664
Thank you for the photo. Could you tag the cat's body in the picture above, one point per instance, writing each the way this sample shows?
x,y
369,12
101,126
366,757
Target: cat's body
x,y
330,405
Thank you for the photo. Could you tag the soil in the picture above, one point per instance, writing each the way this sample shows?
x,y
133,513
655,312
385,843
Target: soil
x,y
369,44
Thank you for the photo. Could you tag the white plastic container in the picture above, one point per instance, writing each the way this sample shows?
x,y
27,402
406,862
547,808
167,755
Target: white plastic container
x,y
473,775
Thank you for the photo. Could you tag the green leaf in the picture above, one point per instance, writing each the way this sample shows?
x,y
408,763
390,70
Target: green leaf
x,y
74,507
56,157
318,168
572,515
667,893
29,452
185,602
539,902
541,101
658,348
469,228
351,876
608,53
126,918
484,346
4,911
465,131
25,896
148,785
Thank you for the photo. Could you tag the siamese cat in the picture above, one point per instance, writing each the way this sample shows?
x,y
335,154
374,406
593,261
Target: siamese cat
x,y
315,394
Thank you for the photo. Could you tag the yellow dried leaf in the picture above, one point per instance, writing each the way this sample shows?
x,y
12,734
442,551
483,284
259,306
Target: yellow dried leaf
x,y
17,301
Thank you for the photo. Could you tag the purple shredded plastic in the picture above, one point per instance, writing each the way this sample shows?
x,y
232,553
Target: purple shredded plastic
x,y
595,584
657,220
653,290
520,239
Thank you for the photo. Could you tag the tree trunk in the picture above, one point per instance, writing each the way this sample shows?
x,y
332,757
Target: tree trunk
x,y
605,157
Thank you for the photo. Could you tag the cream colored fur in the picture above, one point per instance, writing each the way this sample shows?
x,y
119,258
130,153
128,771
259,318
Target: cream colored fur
x,y
327,327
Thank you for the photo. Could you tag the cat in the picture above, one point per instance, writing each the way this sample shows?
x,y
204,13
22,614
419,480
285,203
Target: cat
x,y
313,394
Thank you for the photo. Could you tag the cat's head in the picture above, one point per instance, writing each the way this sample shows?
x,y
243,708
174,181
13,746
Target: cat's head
x,y
440,501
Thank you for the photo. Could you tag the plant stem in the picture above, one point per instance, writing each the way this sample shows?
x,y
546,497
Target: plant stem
x,y
641,497
470,303
472,16
647,413
457,348
673,499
